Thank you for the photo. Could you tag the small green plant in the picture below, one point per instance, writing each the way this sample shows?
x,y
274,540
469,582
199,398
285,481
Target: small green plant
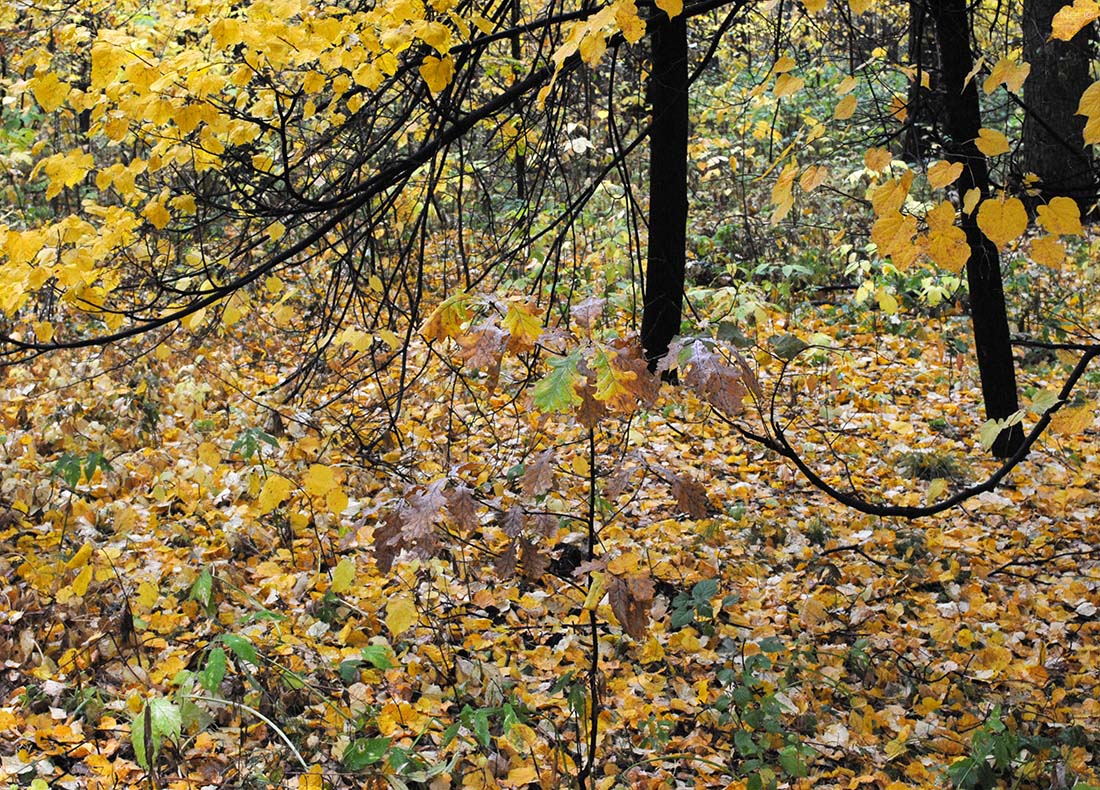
x,y
695,608
931,465
251,441
71,468
769,746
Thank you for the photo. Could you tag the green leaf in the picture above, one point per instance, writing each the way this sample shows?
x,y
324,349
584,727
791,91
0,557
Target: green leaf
x,y
730,332
349,669
991,429
787,346
212,674
703,591
1042,401
241,647
166,718
378,656
557,391
363,752
772,644
141,730
203,589
481,727
791,761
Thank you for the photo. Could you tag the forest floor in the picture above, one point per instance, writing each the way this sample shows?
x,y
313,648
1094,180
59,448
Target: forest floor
x,y
178,562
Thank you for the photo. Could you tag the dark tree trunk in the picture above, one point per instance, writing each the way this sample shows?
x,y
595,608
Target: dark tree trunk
x,y
1053,145
920,102
962,120
663,295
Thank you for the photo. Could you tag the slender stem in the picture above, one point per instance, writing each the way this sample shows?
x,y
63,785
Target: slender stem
x,y
594,665
261,717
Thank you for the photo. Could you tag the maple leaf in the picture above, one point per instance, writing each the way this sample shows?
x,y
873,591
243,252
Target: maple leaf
x,y
691,497
538,476
514,521
557,391
524,327
631,597
533,560
462,506
587,311
482,348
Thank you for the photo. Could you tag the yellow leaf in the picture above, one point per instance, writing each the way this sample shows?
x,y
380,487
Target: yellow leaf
x,y
784,64
43,331
66,170
1048,251
597,586
859,6
887,302
991,142
671,7
813,177
787,85
319,480
80,559
49,91
1002,220
632,25
1008,73
400,614
1089,106
524,326
845,108
157,214
273,285
846,85
336,501
943,173
877,159
970,199
935,489
1072,421
1061,216
81,582
209,454
889,197
275,489
946,244
343,575
1071,19
812,613
147,595
437,72
814,6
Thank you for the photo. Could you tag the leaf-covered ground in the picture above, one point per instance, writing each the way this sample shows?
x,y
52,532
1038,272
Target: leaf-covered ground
x,y
183,555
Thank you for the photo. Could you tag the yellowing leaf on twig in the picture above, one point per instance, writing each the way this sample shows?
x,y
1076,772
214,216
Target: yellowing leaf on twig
x,y
943,173
991,142
1001,220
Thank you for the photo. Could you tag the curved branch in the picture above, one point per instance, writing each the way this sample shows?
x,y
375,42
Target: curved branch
x,y
779,443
